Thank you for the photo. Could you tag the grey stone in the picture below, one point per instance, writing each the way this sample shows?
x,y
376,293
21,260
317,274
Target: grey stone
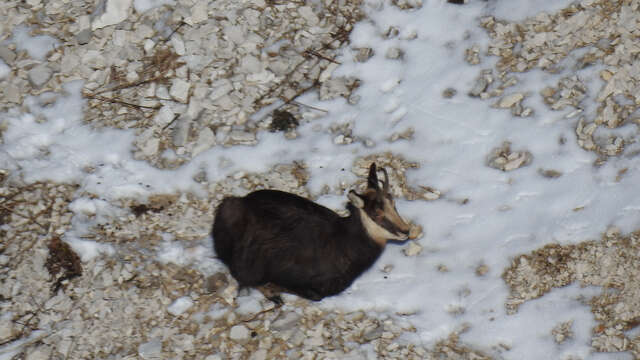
x,y
373,334
287,322
40,75
180,90
180,132
7,55
12,94
115,12
239,333
243,138
151,349
84,36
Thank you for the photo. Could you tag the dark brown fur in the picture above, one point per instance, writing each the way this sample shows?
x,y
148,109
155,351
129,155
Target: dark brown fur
x,y
280,238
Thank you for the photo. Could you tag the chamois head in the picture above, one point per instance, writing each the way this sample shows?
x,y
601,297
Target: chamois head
x,y
378,211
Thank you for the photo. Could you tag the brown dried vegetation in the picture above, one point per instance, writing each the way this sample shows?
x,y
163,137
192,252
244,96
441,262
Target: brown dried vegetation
x,y
62,263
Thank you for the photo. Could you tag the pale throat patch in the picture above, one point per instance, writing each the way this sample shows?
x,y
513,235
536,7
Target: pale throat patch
x,y
379,234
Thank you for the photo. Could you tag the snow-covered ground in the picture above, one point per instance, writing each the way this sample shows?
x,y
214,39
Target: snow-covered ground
x,y
485,216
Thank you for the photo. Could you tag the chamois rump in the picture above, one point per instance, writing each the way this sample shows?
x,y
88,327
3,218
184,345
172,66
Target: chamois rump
x,y
277,240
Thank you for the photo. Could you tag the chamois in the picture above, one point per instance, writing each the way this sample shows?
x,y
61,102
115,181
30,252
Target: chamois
x,y
282,240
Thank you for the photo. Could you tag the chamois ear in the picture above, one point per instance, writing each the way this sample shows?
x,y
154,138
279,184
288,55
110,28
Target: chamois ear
x,y
372,180
355,199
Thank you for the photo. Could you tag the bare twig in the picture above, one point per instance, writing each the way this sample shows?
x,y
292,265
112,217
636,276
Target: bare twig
x,y
317,54
182,23
121,102
134,84
176,116
24,216
309,106
242,321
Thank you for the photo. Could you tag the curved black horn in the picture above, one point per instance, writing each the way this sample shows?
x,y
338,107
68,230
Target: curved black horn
x,y
385,185
372,180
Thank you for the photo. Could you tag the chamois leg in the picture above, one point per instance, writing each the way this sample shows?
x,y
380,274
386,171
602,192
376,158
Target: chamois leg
x,y
247,263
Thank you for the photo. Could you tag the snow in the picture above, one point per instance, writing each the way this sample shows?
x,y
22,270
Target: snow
x,y
37,46
88,249
506,214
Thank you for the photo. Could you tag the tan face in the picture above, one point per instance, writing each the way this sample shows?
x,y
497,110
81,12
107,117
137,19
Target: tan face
x,y
378,211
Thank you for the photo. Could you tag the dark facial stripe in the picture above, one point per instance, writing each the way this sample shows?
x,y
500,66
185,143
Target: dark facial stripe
x,y
391,227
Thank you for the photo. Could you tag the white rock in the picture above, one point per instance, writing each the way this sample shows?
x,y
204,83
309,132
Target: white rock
x,y
514,164
12,93
119,37
206,140
230,292
181,131
250,64
151,349
150,147
199,12
241,137
6,328
69,63
259,355
510,100
4,70
180,305
178,44
116,12
308,15
288,321
41,352
333,88
220,89
94,58
239,333
132,76
162,93
164,116
180,90
7,54
39,75
326,74
413,249
235,34
148,45
262,77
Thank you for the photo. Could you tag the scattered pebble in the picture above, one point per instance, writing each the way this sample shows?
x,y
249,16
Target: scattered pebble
x,y
413,249
40,75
